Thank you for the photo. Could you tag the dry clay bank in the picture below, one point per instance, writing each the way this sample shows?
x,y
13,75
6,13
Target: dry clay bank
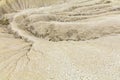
x,y
59,40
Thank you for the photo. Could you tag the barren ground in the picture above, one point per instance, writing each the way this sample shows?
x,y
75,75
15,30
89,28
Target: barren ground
x,y
60,40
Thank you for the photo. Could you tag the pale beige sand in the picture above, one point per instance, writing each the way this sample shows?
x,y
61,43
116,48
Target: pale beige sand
x,y
74,40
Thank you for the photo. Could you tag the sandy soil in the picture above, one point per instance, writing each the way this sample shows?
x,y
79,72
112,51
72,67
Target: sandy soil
x,y
62,40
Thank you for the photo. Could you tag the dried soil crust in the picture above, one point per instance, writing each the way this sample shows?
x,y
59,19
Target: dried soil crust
x,y
47,43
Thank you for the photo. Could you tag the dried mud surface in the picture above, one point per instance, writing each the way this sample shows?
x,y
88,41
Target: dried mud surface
x,y
60,40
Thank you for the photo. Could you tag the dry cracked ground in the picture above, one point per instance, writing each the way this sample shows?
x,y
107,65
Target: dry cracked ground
x,y
59,40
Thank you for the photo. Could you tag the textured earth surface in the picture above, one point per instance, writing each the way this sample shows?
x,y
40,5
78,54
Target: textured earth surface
x,y
59,40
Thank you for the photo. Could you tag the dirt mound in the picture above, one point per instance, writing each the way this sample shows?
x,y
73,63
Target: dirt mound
x,y
74,21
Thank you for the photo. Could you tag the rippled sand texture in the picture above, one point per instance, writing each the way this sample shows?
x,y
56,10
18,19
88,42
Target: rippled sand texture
x,y
60,40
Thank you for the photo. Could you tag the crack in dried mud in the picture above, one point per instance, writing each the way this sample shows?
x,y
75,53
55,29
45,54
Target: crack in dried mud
x,y
16,62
